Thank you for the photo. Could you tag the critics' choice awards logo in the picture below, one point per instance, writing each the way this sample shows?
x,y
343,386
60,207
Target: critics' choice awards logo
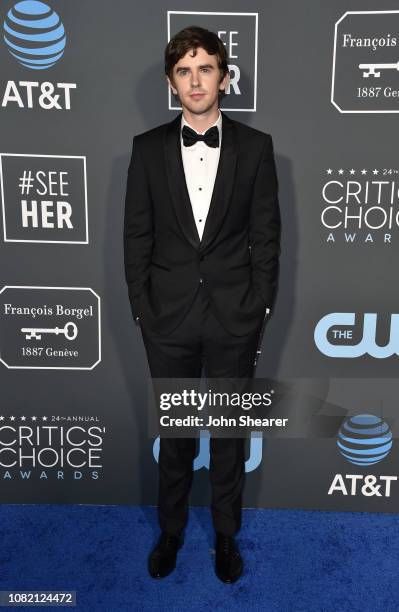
x,y
50,328
35,37
363,440
51,447
360,205
44,198
239,33
202,459
34,34
365,74
347,335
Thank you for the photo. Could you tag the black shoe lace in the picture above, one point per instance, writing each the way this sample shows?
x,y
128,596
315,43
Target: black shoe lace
x,y
227,545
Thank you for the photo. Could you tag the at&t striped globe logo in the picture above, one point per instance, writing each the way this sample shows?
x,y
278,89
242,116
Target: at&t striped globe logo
x,y
364,439
34,34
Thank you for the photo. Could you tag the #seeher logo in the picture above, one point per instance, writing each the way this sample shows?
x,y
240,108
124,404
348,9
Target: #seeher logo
x,y
34,34
364,439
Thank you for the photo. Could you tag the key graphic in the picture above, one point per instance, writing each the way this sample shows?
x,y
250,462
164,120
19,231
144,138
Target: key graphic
x,y
36,332
375,69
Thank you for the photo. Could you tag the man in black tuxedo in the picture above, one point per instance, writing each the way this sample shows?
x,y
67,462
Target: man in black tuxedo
x,y
202,242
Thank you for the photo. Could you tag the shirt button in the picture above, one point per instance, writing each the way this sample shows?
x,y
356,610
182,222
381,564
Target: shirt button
x,y
200,188
201,281
201,159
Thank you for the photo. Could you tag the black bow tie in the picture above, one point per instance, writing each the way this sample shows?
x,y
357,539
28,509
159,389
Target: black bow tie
x,y
190,137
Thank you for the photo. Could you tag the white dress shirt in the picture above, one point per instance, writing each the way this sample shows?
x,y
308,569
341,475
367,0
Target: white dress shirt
x,y
200,164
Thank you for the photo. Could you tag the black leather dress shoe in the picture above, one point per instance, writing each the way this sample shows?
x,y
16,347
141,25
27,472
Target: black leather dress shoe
x,y
228,562
162,560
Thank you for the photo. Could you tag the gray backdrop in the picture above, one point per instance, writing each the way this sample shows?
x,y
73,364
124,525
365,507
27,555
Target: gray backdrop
x,y
297,77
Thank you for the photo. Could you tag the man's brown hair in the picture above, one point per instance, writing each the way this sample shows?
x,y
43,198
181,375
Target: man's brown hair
x,y
192,38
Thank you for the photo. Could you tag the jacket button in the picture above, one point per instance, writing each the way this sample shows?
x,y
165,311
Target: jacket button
x,y
201,281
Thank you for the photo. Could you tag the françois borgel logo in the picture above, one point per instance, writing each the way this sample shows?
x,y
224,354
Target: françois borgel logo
x,y
44,198
365,74
50,328
363,440
35,38
239,33
359,205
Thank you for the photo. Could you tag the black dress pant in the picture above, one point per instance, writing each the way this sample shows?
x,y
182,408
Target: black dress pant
x,y
201,340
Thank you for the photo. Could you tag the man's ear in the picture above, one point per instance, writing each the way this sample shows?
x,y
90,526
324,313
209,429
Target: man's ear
x,y
224,82
174,90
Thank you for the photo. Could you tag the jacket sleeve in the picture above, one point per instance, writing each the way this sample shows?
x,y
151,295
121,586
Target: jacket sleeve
x,y
138,235
265,227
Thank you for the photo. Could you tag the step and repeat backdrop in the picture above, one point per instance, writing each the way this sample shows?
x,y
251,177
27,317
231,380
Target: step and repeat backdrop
x,y
77,81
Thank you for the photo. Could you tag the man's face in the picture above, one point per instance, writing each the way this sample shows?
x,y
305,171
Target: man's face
x,y
196,80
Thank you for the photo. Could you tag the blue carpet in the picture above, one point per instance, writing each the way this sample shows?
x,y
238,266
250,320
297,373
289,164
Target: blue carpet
x,y
295,560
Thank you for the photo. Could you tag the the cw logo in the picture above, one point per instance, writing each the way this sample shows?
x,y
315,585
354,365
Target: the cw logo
x,y
367,345
202,459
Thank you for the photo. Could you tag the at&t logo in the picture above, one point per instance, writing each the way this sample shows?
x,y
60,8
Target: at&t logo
x,y
365,440
34,34
35,37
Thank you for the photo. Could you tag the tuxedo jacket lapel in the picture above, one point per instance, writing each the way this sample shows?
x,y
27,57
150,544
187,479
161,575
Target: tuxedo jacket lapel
x,y
222,190
177,182
224,182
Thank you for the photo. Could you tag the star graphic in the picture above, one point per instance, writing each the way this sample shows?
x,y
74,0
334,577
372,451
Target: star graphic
x,y
44,418
364,171
23,418
329,171
34,418
375,171
340,171
352,171
12,418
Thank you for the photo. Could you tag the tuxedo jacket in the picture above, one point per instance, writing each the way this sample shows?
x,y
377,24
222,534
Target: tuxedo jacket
x,y
236,261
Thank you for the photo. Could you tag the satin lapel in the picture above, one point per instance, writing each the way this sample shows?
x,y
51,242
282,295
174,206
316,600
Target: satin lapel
x,y
224,182
177,182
